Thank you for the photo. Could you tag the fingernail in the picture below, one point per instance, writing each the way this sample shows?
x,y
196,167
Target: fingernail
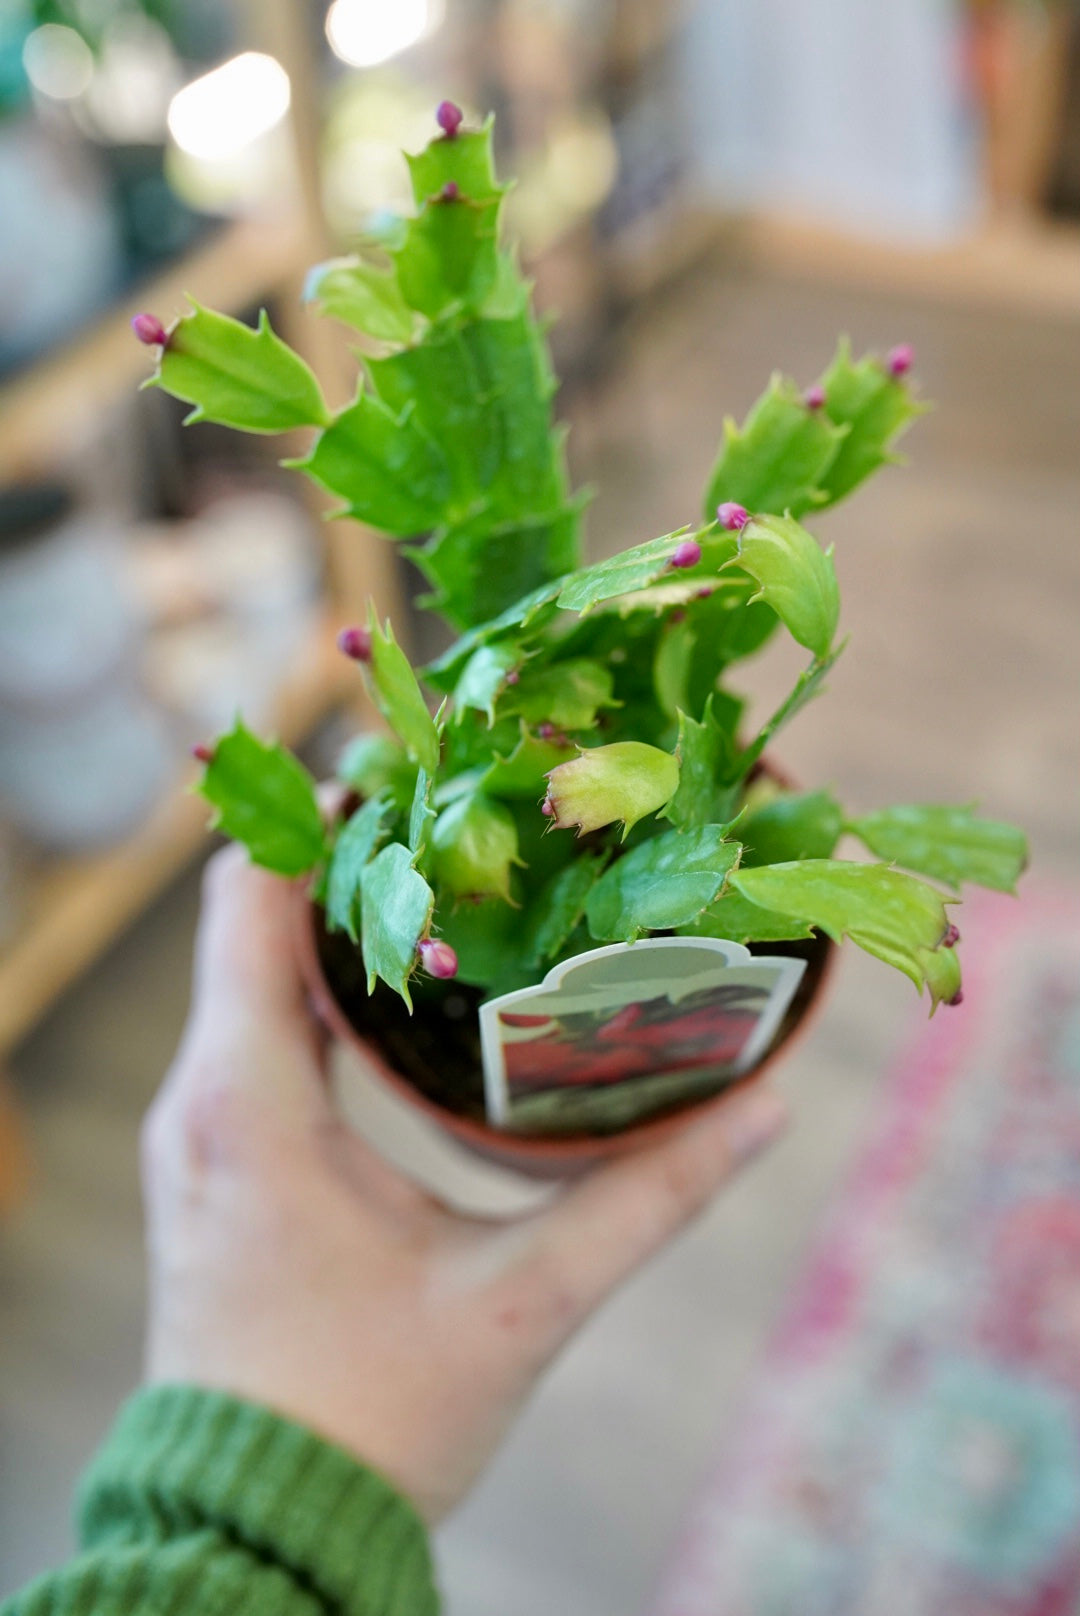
x,y
755,1122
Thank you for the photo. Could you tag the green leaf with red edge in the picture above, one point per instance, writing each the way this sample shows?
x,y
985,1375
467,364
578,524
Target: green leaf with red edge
x,y
265,798
396,909
894,916
237,376
605,785
775,462
465,159
874,408
949,843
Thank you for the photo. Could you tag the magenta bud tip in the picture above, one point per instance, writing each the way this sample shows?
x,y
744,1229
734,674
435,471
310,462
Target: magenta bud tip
x,y
547,808
731,516
951,937
687,554
677,616
814,397
957,998
355,643
451,192
513,676
149,329
546,732
202,753
901,359
438,959
449,118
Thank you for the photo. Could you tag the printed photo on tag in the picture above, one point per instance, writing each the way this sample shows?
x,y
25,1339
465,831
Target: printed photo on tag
x,y
622,1032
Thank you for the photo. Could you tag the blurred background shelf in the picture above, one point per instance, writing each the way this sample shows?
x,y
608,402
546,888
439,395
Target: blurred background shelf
x,y
79,906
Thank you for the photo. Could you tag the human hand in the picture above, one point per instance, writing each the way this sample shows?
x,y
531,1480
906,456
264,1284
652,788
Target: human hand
x,y
291,1265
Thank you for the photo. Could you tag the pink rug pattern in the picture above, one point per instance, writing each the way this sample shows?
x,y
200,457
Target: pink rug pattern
x,y
912,1444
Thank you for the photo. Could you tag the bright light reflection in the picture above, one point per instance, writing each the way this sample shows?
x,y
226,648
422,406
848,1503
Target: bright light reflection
x,y
58,62
366,32
216,116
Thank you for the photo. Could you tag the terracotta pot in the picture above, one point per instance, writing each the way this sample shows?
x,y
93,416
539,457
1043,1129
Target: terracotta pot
x,y
564,1156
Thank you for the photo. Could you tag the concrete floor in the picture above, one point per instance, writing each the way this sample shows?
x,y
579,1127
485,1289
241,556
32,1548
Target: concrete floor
x,y
961,589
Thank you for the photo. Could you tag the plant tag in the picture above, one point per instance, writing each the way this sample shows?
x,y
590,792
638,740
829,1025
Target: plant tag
x,y
616,1034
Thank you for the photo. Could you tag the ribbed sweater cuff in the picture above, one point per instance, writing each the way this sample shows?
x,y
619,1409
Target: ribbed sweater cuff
x,y
181,1462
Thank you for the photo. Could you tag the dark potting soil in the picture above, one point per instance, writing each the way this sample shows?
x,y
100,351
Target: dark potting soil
x,y
437,1048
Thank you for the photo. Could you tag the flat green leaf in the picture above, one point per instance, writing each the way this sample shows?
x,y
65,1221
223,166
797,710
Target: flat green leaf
x,y
950,844
792,825
665,882
642,566
532,612
486,937
399,697
566,694
704,751
237,376
773,464
477,564
607,784
465,159
474,845
396,908
484,676
448,255
739,921
522,773
558,908
387,470
874,409
356,843
265,799
896,917
421,813
360,295
795,577
374,763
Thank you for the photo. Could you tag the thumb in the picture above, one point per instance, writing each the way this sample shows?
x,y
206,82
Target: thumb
x,y
610,1223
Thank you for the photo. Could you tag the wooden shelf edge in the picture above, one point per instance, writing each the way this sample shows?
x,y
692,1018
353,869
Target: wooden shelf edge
x,y
86,903
60,399
1024,263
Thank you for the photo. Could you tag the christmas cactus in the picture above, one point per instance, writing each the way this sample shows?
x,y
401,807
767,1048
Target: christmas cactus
x,y
574,770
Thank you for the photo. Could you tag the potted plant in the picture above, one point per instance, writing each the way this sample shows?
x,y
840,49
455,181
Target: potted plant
x,y
584,790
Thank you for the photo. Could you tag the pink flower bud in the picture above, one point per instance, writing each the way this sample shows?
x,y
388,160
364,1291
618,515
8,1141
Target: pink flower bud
x,y
546,732
687,554
449,118
203,753
814,397
951,937
900,359
149,329
547,808
731,516
957,998
513,676
677,616
451,192
437,958
355,643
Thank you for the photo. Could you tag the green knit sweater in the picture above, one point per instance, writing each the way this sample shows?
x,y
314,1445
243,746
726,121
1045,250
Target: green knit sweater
x,y
201,1504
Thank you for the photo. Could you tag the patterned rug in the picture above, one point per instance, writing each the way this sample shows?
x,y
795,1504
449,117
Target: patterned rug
x,y
912,1445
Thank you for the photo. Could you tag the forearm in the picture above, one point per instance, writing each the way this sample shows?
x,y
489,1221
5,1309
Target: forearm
x,y
199,1503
